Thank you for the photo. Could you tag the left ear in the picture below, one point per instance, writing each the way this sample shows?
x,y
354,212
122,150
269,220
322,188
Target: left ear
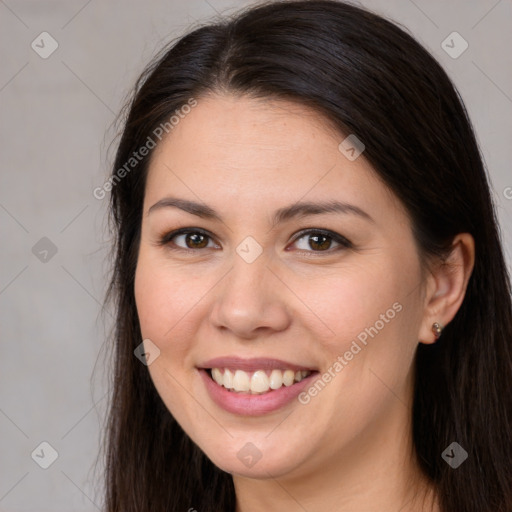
x,y
446,286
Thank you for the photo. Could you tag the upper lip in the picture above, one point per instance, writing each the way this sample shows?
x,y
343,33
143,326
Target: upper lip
x,y
252,364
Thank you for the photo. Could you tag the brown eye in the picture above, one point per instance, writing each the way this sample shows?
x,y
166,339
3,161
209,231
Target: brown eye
x,y
196,240
187,239
320,241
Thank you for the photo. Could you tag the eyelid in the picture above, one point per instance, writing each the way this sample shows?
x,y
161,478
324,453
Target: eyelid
x,y
336,237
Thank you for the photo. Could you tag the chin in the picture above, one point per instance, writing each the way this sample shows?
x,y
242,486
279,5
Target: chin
x,y
256,460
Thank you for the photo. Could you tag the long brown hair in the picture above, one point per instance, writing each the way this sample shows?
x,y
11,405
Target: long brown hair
x,y
372,79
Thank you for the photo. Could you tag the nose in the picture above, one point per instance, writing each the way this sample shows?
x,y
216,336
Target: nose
x,y
250,301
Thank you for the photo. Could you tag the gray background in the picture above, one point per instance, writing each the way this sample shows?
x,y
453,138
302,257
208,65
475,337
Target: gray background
x,y
56,126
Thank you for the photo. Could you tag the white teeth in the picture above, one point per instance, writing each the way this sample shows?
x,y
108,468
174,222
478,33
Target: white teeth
x,y
228,380
217,376
288,377
276,379
259,382
241,381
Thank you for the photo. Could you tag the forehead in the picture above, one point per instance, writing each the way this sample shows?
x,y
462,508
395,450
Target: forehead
x,y
235,128
242,151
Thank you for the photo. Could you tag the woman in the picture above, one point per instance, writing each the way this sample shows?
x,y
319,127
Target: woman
x,y
313,309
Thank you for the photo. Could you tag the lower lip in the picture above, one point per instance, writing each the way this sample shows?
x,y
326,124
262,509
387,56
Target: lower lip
x,y
246,404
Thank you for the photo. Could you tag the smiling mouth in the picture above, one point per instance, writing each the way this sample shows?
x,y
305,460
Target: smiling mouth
x,y
257,382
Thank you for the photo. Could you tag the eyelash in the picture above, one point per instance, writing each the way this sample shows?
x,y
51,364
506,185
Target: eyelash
x,y
344,243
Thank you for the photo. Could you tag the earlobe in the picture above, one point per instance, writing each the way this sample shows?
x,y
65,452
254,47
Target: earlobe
x,y
449,281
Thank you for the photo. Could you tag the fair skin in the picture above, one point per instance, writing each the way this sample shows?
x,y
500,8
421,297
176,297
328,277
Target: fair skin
x,y
349,448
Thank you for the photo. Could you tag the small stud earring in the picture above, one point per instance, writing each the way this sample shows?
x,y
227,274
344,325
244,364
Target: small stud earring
x,y
437,329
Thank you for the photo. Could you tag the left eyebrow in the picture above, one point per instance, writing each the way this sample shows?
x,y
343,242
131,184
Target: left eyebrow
x,y
304,209
296,210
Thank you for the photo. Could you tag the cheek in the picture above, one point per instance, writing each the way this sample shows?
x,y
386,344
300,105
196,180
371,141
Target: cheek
x,y
166,299
371,314
354,299
151,300
165,306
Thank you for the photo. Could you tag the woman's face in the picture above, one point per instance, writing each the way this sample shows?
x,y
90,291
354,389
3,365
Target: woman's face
x,y
312,313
